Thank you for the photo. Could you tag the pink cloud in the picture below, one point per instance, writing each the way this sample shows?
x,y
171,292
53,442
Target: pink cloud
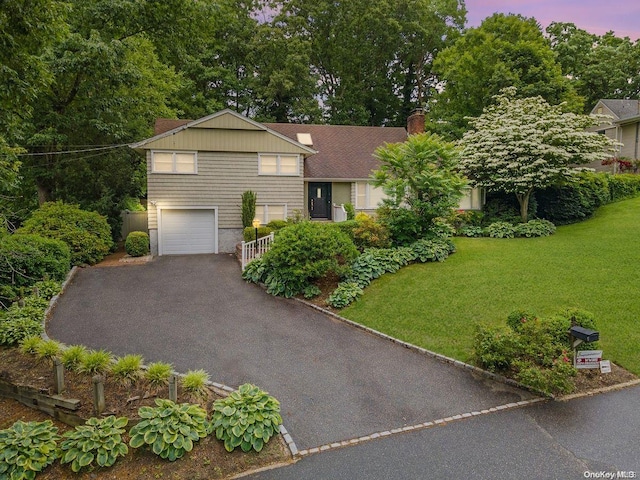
x,y
594,16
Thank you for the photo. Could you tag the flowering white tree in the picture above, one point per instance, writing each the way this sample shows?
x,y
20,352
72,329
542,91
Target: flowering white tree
x,y
520,144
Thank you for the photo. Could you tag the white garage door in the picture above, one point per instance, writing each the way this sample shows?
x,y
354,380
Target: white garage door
x,y
187,231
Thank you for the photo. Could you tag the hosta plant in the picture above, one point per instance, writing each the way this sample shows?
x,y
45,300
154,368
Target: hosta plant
x,y
26,449
169,429
346,293
247,418
98,441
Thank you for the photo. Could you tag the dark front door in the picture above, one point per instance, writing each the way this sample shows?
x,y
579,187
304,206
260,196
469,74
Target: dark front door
x,y
320,200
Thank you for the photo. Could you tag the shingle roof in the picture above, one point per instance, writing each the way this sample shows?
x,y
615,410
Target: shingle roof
x,y
344,152
623,108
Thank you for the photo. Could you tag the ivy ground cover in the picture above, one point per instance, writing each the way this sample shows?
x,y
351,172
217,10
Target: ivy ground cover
x,y
593,265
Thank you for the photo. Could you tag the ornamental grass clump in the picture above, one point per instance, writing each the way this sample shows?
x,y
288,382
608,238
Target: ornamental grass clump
x,y
247,418
169,429
73,357
194,383
158,374
27,448
128,369
96,362
48,350
29,345
98,441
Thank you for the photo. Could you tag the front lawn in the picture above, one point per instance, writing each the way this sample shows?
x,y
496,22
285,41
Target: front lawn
x,y
593,265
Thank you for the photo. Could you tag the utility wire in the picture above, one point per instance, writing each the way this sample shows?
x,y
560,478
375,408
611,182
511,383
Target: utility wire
x,y
108,147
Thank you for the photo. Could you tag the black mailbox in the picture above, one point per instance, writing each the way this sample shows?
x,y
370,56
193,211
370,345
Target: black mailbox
x,y
584,334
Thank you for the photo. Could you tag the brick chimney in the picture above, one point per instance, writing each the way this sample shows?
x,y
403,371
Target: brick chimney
x,y
415,122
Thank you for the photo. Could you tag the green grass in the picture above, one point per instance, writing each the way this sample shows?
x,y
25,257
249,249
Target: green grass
x,y
593,265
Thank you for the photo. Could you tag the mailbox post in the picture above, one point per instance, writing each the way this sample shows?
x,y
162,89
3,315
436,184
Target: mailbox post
x,y
578,335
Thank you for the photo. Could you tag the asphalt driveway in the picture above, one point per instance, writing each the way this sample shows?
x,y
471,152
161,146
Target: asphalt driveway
x,y
334,382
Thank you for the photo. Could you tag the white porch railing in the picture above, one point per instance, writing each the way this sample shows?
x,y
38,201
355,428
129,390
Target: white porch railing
x,y
255,249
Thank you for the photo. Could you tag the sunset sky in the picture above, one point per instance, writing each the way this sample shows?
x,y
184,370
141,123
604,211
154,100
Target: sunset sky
x,y
595,16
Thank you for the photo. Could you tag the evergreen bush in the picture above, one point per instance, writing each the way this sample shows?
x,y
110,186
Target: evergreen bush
x,y
137,244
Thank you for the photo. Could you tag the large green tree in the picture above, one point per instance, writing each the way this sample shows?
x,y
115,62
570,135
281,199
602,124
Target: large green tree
x,y
599,66
372,59
519,145
421,180
504,51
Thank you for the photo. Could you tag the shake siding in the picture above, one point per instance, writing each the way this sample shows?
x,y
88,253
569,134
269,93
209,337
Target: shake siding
x,y
220,182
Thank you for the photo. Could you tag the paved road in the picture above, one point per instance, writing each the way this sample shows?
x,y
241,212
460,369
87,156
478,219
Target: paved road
x,y
334,382
553,440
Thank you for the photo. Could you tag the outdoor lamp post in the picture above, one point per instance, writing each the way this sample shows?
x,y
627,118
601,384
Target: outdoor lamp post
x,y
256,225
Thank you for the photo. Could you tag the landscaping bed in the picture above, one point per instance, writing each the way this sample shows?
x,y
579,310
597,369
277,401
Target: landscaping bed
x,y
208,459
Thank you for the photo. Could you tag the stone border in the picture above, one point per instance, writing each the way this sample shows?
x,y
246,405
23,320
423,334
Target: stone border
x,y
420,426
428,353
219,388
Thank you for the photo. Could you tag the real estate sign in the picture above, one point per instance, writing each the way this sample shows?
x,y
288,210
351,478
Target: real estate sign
x,y
588,358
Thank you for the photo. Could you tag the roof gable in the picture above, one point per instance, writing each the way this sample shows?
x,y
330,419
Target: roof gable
x,y
222,131
619,109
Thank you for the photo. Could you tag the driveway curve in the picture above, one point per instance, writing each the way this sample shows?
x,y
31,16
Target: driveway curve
x,y
334,382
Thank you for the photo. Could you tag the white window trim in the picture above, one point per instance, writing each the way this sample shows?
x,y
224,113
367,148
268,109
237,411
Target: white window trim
x,y
265,212
278,156
367,197
173,152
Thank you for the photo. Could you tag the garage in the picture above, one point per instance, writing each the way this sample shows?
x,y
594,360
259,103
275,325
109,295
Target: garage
x,y
187,231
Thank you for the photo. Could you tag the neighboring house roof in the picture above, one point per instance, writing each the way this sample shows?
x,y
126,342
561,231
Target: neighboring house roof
x,y
622,109
344,152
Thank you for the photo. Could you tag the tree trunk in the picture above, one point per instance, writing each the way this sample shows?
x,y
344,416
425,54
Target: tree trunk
x,y
523,200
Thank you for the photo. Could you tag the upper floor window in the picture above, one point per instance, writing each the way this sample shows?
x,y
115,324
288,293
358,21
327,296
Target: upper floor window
x,y
276,164
174,162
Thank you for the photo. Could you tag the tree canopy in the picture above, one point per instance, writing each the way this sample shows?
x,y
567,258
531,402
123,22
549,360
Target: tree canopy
x,y
504,51
518,145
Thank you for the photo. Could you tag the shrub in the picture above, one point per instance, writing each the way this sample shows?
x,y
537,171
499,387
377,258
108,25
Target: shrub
x,y
351,211
535,228
277,225
194,383
346,293
158,374
249,233
370,234
48,350
27,448
46,289
27,259
128,369
403,224
248,208
247,418
98,439
73,357
460,219
20,322
501,230
137,244
30,345
169,429
623,186
502,207
96,362
574,201
300,254
87,234
534,351
347,227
